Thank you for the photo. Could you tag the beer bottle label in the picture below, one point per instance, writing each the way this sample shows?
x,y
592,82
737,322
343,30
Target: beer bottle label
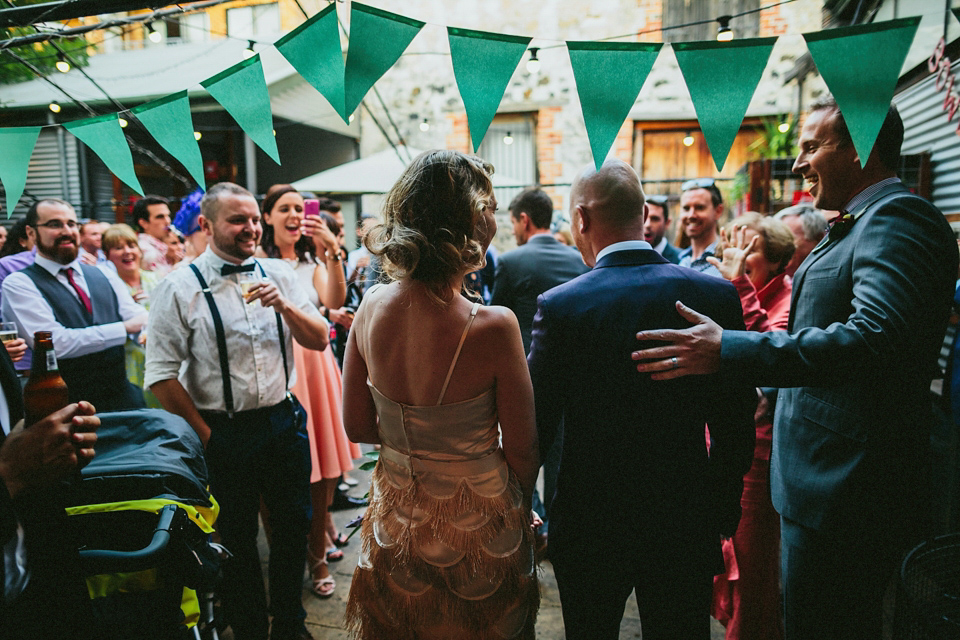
x,y
51,361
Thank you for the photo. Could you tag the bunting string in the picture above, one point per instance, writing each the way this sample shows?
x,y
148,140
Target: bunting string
x,y
860,66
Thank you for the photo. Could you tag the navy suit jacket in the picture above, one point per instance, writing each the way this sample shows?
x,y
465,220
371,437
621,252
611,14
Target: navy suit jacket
x,y
529,270
851,437
639,441
671,253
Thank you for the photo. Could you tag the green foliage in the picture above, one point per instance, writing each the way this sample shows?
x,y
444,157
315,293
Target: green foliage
x,y
42,55
774,143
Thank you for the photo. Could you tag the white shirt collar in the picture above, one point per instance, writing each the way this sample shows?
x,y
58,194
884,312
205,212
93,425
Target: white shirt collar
x,y
626,245
54,267
661,245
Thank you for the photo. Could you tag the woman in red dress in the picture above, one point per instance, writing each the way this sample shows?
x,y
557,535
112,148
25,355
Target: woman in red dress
x,y
746,598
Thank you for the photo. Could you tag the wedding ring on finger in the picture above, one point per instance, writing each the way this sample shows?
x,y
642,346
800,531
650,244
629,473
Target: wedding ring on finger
x,y
674,361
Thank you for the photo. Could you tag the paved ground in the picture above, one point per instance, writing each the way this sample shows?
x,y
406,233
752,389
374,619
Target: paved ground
x,y
325,617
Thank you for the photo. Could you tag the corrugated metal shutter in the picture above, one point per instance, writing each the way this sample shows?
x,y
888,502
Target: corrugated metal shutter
x,y
926,129
47,177
517,160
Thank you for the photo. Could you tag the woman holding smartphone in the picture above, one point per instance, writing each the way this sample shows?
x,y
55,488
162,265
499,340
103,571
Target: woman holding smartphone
x,y
293,231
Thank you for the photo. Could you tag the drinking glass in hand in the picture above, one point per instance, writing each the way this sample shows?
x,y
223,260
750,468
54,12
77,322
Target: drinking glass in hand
x,y
8,332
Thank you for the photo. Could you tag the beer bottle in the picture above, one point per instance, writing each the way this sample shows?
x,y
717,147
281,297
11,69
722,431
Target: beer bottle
x,y
45,391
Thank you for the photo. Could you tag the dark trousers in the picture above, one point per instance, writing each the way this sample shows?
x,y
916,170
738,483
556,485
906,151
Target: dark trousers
x,y
674,602
834,583
551,471
262,454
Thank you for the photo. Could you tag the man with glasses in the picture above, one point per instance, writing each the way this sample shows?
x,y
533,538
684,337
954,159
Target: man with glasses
x,y
655,228
701,206
88,309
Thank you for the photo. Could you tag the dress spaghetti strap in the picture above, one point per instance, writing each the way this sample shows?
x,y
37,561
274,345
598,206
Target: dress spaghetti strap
x,y
456,356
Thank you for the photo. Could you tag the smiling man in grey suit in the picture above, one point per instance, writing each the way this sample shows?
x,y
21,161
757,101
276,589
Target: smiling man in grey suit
x,y
852,428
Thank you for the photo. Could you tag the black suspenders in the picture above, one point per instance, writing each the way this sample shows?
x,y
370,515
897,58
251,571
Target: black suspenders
x,y
222,339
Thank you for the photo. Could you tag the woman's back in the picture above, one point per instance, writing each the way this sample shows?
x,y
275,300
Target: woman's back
x,y
409,343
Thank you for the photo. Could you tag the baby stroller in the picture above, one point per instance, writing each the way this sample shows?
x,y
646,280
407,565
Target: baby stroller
x,y
143,516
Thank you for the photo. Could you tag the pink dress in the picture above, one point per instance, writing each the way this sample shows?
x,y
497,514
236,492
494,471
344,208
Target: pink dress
x,y
319,389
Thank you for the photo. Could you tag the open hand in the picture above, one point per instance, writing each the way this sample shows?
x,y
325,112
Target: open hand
x,y
695,350
734,249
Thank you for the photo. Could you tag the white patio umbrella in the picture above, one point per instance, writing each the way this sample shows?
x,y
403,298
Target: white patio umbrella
x,y
376,173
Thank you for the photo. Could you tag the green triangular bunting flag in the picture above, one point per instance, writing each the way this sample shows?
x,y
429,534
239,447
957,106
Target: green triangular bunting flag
x,y
17,144
313,49
609,77
168,120
721,106
860,66
483,64
242,91
377,40
104,136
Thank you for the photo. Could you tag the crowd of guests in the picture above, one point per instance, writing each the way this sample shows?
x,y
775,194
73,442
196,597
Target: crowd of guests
x,y
471,370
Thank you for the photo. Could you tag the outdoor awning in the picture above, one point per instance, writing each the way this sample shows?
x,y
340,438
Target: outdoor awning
x,y
135,77
376,173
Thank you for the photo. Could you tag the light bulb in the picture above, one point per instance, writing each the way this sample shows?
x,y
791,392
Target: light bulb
x,y
424,126
123,123
688,140
152,34
274,132
62,65
533,64
55,106
350,119
508,139
724,32
783,127
197,135
249,52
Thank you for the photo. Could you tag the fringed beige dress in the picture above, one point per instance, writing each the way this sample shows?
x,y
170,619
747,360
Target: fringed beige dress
x,y
447,545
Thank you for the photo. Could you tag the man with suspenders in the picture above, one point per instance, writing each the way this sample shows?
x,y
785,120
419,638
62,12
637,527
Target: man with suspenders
x,y
237,362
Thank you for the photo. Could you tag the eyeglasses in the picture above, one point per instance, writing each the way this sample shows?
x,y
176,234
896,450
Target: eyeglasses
x,y
657,200
57,225
698,183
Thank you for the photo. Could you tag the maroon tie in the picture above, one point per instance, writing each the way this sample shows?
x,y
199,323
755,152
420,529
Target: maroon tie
x,y
84,298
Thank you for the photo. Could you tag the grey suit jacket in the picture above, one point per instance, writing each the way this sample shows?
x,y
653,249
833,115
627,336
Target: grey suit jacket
x,y
852,433
529,270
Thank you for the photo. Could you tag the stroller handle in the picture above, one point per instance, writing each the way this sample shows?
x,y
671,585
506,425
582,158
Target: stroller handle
x,y
98,561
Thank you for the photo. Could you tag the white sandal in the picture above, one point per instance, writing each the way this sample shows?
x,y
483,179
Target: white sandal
x,y
321,587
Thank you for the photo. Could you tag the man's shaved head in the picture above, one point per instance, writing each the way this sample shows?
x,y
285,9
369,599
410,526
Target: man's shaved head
x,y
613,193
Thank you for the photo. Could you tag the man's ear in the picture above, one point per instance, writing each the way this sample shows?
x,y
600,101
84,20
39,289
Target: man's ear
x,y
525,221
205,224
582,219
646,212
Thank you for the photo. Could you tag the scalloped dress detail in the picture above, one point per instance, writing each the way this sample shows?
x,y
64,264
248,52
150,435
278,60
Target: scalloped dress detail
x,y
446,544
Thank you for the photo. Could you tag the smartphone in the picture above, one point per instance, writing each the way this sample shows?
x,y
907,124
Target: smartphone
x,y
311,207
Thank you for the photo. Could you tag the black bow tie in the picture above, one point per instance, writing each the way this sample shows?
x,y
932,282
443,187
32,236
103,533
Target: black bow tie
x,y
228,269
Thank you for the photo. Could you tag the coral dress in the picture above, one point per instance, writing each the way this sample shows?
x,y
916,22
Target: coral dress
x,y
319,389
447,544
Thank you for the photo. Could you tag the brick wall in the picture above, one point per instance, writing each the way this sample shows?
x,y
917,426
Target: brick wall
x,y
549,140
459,137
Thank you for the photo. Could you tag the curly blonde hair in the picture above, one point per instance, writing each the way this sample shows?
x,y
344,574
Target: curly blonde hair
x,y
433,227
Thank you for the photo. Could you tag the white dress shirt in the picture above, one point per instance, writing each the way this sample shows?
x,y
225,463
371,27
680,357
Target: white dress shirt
x,y
626,245
25,305
181,331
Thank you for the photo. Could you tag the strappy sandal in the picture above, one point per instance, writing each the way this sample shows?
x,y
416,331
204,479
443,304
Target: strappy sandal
x,y
320,587
334,555
341,540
